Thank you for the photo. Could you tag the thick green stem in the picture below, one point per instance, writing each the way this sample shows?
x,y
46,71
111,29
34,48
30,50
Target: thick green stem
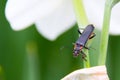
x,y
2,77
87,63
105,34
80,13
32,66
82,22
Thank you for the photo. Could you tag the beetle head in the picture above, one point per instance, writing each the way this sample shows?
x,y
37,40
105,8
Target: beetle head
x,y
77,49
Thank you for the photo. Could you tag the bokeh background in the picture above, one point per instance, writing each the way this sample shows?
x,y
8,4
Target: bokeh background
x,y
26,55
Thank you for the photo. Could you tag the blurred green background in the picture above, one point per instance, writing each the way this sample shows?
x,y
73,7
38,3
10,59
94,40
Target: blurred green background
x,y
26,55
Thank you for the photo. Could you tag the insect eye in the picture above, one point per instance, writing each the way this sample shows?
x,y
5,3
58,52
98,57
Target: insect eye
x,y
77,44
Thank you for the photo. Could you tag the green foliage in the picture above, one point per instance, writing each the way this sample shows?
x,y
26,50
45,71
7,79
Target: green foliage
x,y
47,61
113,57
18,64
114,2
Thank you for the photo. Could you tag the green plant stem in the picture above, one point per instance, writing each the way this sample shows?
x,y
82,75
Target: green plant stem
x,y
82,22
2,77
32,60
80,13
87,63
105,33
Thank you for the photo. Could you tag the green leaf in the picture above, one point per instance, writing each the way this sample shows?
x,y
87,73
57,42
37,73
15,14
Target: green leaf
x,y
114,2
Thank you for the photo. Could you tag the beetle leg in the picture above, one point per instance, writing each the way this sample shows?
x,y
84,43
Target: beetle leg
x,y
92,35
86,48
89,48
79,32
83,56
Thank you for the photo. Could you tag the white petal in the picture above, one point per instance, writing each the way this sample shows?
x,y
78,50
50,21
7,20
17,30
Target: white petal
x,y
94,11
23,13
94,73
115,20
57,22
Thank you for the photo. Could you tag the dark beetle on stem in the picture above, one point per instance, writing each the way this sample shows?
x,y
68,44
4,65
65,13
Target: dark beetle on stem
x,y
82,40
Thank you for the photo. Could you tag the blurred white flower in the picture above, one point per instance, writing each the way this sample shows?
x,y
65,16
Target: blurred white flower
x,y
95,12
51,17
54,17
94,73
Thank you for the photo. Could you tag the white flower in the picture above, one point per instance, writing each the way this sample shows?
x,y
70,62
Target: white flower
x,y
53,17
93,73
95,13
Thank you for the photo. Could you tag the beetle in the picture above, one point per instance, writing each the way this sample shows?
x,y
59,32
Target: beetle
x,y
82,40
